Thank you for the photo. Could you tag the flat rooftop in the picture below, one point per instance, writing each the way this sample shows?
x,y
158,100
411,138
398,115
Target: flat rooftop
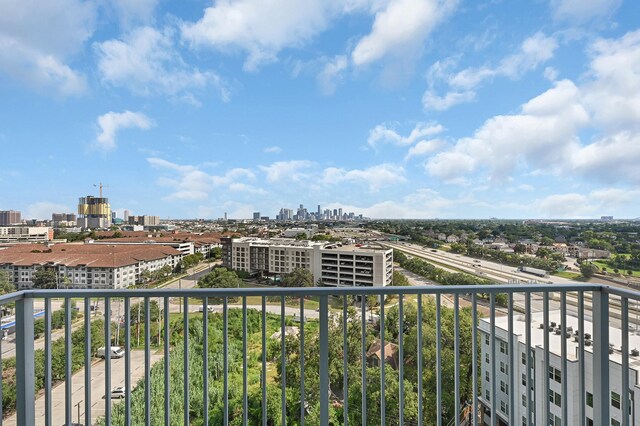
x,y
555,340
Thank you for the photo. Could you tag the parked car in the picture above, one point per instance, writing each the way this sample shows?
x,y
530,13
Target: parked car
x,y
116,352
118,392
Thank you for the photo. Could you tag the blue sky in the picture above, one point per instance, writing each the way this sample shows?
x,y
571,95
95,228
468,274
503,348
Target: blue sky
x,y
390,108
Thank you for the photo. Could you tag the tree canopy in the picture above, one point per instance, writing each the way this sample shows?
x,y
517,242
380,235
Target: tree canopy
x,y
299,277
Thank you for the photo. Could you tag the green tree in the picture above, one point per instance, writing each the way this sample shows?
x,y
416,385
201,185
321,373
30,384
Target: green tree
x,y
588,270
216,253
299,277
220,278
5,285
44,278
399,279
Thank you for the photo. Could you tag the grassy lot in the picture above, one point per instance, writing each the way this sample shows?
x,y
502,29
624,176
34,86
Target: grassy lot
x,y
569,275
609,269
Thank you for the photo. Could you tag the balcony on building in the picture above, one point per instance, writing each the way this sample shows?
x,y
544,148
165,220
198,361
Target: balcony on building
x,y
444,355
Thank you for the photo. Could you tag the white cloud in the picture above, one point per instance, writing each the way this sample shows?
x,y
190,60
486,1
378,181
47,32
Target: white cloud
x,y
134,11
286,170
43,210
431,101
261,29
424,147
193,184
611,159
570,205
36,38
423,203
112,122
382,134
578,12
542,135
146,62
534,50
331,74
375,177
401,27
272,150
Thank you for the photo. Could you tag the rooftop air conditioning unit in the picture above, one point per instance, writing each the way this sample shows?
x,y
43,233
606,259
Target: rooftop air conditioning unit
x,y
635,352
576,339
553,323
569,329
587,342
587,336
558,331
610,350
541,326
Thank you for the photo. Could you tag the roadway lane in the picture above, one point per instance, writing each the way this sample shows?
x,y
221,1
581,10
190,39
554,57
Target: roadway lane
x,y
97,390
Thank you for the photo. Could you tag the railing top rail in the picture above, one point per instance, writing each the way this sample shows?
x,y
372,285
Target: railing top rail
x,y
622,292
317,291
12,297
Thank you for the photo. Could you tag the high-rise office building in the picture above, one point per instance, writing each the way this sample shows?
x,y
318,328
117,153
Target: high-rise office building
x,y
125,216
10,217
256,216
94,212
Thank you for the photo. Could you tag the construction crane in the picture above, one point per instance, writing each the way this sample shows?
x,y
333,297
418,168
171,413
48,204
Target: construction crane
x,y
101,186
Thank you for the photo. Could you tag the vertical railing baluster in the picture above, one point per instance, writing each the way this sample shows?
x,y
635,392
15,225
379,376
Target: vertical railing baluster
x,y
401,358
324,360
511,364
87,360
68,371
601,393
529,363
185,360
264,361
48,385
245,384
419,349
1,372
492,364
624,395
382,366
345,362
363,311
302,362
438,361
205,361
546,412
456,358
283,364
25,371
474,356
581,361
107,360
225,353
167,366
147,362
127,360
563,361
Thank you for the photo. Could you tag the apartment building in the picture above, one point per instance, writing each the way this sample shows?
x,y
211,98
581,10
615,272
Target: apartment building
x,y
516,364
330,263
86,265
16,234
10,217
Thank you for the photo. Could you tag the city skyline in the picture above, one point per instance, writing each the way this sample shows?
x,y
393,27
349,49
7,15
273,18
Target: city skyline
x,y
391,109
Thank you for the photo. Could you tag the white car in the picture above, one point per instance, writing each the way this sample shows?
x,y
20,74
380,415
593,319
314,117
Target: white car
x,y
118,392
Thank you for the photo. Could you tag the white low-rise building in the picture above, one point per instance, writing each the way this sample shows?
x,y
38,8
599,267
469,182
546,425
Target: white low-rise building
x,y
86,265
506,365
11,234
331,264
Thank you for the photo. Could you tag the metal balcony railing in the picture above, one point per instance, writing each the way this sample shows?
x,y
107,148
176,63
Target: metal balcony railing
x,y
415,359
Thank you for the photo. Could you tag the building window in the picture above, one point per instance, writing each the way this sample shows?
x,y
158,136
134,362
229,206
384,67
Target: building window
x,y
524,358
486,339
555,397
504,407
504,368
504,348
554,420
524,379
524,400
554,374
504,387
486,376
486,394
615,400
589,399
614,422
486,358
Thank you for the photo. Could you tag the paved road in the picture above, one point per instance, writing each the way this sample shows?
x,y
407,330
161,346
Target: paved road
x,y
97,390
117,308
